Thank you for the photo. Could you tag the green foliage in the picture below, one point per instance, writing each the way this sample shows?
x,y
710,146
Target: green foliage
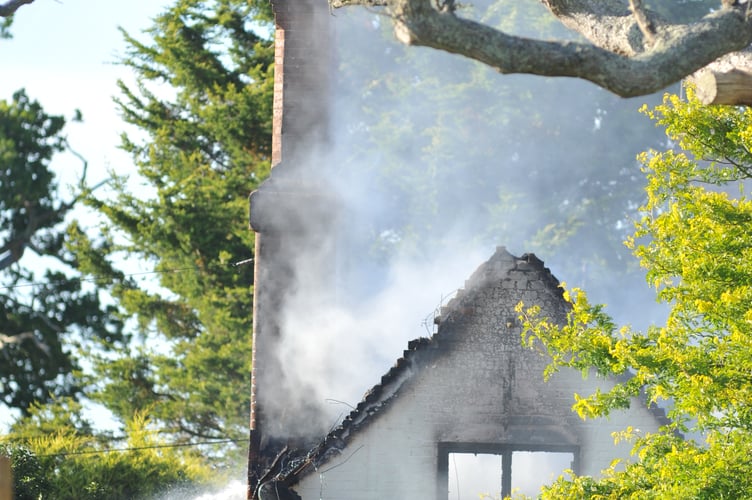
x,y
202,107
670,467
49,418
5,24
694,240
41,324
29,481
55,456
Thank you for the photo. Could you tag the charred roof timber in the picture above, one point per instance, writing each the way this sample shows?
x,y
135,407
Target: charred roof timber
x,y
471,385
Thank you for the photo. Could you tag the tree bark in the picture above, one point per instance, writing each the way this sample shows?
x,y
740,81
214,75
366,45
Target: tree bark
x,y
630,50
730,87
726,81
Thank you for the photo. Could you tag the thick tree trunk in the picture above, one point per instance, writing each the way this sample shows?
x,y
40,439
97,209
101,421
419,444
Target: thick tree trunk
x,y
728,87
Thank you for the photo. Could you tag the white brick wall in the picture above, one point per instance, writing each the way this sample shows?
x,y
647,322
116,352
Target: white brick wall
x,y
478,386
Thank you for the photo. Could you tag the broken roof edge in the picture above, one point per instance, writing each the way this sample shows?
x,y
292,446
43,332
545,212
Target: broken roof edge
x,y
497,268
378,397
494,267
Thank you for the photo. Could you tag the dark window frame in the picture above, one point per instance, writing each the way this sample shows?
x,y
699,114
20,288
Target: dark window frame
x,y
505,451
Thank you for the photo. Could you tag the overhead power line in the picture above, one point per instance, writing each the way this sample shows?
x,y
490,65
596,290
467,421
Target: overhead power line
x,y
139,448
91,279
102,278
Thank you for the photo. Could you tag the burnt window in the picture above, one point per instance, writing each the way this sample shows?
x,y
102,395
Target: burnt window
x,y
470,470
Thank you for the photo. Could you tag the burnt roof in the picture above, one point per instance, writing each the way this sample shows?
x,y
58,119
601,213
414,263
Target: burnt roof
x,y
418,351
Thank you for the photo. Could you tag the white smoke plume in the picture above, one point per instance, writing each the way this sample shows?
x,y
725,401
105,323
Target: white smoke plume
x,y
412,230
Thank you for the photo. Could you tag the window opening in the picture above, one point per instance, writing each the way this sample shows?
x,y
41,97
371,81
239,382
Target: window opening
x,y
471,476
498,471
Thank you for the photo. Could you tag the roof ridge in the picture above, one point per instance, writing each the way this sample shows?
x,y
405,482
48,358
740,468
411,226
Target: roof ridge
x,y
379,395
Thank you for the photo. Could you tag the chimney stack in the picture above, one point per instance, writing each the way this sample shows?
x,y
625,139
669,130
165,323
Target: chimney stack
x,y
292,214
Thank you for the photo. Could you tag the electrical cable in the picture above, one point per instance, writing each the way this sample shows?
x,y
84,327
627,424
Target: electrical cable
x,y
92,279
100,277
138,448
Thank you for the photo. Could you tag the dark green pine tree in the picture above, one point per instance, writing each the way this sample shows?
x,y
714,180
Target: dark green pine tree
x,y
200,112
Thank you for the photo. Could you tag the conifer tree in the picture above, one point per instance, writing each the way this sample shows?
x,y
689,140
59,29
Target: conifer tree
x,y
201,108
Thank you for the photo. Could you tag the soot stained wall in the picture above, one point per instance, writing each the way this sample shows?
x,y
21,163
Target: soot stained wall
x,y
474,383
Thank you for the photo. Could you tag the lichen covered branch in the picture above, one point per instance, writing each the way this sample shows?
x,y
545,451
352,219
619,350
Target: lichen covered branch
x,y
630,51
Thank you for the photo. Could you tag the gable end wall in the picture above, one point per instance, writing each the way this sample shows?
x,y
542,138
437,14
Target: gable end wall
x,y
475,384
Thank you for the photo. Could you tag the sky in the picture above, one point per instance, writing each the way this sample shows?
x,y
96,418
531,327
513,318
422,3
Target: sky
x,y
63,52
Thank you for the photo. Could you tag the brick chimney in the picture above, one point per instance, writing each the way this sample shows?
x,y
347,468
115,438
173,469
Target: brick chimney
x,y
291,213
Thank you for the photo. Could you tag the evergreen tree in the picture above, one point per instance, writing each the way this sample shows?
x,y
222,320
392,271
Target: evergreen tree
x,y
202,108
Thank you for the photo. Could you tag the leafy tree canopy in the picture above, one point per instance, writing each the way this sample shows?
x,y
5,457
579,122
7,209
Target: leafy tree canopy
x,y
55,456
694,241
176,348
44,317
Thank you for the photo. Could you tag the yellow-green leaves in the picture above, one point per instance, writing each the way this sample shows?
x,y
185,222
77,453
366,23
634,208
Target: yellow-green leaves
x,y
694,238
63,460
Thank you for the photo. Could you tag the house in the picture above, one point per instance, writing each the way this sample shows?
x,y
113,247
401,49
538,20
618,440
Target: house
x,y
471,389
470,394
291,210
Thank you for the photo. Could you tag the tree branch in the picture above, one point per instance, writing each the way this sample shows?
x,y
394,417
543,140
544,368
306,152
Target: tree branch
x,y
641,17
631,52
12,251
20,337
336,4
608,24
9,8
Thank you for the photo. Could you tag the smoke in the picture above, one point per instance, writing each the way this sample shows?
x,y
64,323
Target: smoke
x,y
337,347
433,161
234,490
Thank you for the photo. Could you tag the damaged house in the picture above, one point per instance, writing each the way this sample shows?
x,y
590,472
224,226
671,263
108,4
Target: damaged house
x,y
471,390
463,412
